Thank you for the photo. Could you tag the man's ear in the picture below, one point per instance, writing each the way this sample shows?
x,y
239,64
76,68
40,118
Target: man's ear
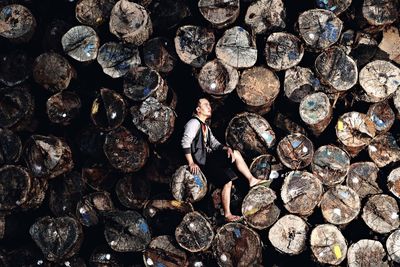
x,y
197,109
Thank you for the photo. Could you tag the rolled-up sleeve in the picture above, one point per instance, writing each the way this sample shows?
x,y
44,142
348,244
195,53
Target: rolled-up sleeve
x,y
191,129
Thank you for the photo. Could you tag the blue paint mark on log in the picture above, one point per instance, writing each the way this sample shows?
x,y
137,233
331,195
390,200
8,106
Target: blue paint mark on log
x,y
159,264
146,91
143,227
198,181
295,143
237,232
292,55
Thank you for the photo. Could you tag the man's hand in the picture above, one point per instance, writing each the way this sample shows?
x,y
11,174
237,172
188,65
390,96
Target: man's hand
x,y
194,168
230,153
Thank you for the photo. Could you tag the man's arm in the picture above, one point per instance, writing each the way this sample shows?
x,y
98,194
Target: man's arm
x,y
189,134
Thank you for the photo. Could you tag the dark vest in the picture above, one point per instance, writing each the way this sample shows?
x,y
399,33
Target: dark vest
x,y
198,147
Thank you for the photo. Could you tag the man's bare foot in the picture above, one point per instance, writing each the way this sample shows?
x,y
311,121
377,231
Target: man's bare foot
x,y
232,218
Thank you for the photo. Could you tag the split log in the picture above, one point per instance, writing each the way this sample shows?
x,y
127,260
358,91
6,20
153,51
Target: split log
x,y
340,205
295,151
63,107
337,69
258,88
381,12
163,251
259,209
362,179
265,167
393,182
382,116
108,110
380,79
336,6
188,187
10,147
328,244
237,245
193,44
266,15
217,78
384,150
390,43
116,59
316,111
364,48
380,213
368,253
194,233
15,68
81,43
355,131
159,54
133,191
283,51
330,164
301,192
126,151
236,48
126,231
250,133
167,14
393,246
219,14
130,22
90,208
289,234
52,71
93,12
299,82
17,23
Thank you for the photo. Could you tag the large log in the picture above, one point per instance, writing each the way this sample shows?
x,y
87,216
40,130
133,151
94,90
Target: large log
x,y
384,150
393,182
186,186
15,67
362,179
390,43
265,15
81,43
17,23
63,107
219,13
368,253
133,191
295,151
299,82
380,12
159,54
265,167
93,12
393,246
316,111
382,115
163,251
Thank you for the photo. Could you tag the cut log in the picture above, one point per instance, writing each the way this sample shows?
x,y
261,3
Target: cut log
x,y
103,255
380,79
130,22
236,48
328,244
219,14
167,14
163,251
384,150
364,48
63,107
336,6
368,253
316,111
301,192
250,133
393,246
194,233
218,79
393,182
15,67
10,147
382,116
380,12
295,151
17,23
258,88
237,245
265,15
283,51
289,234
159,54
93,12
362,179
193,44
259,209
287,125
90,208
81,43
299,82
390,43
116,59
133,191
340,205
319,28
265,167
188,187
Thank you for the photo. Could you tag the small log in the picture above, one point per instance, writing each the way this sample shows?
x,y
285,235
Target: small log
x,y
17,23
133,191
63,107
340,205
289,234
93,12
337,69
36,194
250,133
108,110
130,22
381,12
362,179
336,6
319,28
193,44
236,48
15,183
194,233
219,14
53,72
393,182
283,51
116,59
265,167
299,82
301,192
159,54
126,151
390,43
258,88
266,15
104,256
355,131
364,48
90,208
328,244
380,79
167,14
316,111
384,150
287,125
366,252
126,231
15,68
217,78
81,43
295,151
237,245
10,147
188,187
163,251
259,209
382,116
380,213
393,246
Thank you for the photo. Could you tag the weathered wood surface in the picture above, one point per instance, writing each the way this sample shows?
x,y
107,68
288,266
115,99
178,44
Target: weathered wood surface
x,y
10,147
163,251
380,12
390,43
17,23
133,191
93,12
90,208
63,107
382,115
384,150
265,167
159,54
393,182
295,151
265,15
81,43
219,13
393,246
368,253
336,6
362,178
316,111
186,186
299,82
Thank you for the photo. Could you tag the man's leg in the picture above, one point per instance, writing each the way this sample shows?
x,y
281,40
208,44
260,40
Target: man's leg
x,y
241,165
226,202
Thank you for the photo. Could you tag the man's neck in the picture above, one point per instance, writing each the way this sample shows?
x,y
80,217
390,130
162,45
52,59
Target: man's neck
x,y
202,117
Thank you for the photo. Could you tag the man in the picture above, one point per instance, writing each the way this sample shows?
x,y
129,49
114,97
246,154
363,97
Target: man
x,y
203,151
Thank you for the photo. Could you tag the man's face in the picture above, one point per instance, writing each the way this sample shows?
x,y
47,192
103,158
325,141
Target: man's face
x,y
204,108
